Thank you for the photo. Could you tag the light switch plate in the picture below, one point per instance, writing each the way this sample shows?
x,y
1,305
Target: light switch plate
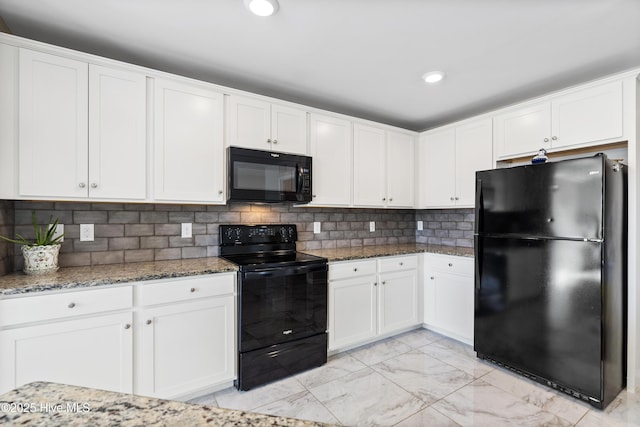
x,y
420,225
59,231
316,227
187,230
372,226
86,232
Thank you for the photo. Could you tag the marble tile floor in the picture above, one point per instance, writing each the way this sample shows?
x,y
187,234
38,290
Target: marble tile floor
x,y
421,379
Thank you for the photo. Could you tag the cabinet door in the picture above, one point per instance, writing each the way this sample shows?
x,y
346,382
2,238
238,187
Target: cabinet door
x,y
53,119
92,352
400,169
589,115
188,143
523,131
453,308
331,145
186,346
398,300
249,123
288,129
117,134
352,311
439,161
369,176
474,142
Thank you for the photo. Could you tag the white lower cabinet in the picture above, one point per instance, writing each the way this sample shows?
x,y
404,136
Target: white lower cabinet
x,y
449,296
77,344
370,298
186,343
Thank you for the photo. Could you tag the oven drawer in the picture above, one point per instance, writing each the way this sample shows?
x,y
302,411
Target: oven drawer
x,y
185,289
398,263
349,269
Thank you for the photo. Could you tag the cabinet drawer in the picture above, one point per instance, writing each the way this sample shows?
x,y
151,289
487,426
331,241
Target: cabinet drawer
x,y
64,304
396,263
185,289
348,269
462,266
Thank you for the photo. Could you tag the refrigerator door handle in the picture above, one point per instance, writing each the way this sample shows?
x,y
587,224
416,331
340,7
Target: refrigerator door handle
x,y
479,222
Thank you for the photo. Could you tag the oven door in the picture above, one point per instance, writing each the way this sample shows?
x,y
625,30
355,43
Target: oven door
x,y
281,304
263,176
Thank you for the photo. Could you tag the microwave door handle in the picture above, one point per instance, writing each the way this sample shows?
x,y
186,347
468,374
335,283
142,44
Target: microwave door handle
x,y
300,180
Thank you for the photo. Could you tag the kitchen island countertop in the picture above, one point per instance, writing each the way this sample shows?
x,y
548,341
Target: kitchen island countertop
x,y
51,404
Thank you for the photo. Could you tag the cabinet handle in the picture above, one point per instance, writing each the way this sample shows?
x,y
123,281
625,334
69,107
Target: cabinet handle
x,y
127,326
71,304
94,185
554,138
82,185
450,265
193,290
546,140
148,321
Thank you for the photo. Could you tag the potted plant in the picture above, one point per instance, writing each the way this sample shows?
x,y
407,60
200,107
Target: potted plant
x,y
41,254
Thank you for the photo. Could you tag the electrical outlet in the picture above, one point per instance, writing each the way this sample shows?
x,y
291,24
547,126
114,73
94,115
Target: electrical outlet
x,y
420,226
86,232
186,230
59,231
316,227
372,226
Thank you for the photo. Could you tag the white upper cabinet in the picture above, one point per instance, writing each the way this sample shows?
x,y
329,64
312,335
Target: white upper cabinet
x,y
79,119
189,152
400,169
369,175
331,147
53,126
117,126
260,125
581,117
449,159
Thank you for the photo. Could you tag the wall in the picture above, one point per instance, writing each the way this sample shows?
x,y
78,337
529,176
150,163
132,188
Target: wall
x,y
448,227
6,229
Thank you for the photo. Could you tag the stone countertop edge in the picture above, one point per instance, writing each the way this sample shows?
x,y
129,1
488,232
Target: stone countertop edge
x,y
51,404
100,275
374,251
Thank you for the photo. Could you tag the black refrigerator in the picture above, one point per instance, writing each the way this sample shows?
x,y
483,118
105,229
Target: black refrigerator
x,y
550,274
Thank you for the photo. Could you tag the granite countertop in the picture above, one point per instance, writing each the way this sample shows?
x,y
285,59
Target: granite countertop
x,y
82,277
344,254
51,404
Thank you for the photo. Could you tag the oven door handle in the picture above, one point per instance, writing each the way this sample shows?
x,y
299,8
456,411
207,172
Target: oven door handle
x,y
284,271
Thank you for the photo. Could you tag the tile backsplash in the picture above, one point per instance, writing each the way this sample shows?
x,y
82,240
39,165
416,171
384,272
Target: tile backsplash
x,y
128,232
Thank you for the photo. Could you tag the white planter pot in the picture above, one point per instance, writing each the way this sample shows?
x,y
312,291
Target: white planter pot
x,y
40,259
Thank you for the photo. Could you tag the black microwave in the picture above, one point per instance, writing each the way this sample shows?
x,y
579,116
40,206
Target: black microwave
x,y
268,177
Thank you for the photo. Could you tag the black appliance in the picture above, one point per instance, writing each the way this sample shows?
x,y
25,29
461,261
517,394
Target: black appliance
x,y
282,303
266,176
550,274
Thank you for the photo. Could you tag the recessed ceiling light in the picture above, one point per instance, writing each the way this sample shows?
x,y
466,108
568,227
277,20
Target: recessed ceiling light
x,y
433,77
262,7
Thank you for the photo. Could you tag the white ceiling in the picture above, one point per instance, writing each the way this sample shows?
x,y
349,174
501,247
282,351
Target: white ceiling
x,y
360,57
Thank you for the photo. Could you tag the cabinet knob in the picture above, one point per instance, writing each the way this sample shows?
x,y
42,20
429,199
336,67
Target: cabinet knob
x,y
148,321
71,304
82,185
432,278
546,140
275,141
401,263
450,265
554,138
193,290
457,198
314,196
384,282
220,192
375,283
355,269
94,185
384,198
127,326
269,141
